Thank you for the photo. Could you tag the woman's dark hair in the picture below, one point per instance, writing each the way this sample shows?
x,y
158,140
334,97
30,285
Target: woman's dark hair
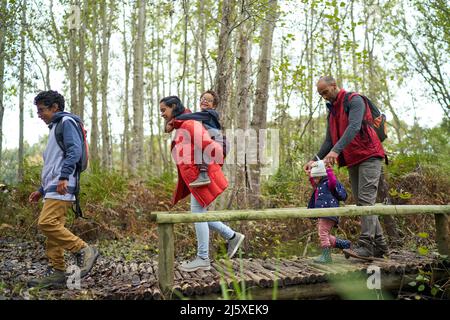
x,y
170,102
215,97
48,98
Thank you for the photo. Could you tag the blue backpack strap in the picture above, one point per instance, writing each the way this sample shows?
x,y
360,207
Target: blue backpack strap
x,y
59,135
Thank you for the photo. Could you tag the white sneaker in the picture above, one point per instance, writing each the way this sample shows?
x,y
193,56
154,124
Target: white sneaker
x,y
234,244
196,264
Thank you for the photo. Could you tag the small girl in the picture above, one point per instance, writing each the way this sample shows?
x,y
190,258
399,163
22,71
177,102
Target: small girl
x,y
327,194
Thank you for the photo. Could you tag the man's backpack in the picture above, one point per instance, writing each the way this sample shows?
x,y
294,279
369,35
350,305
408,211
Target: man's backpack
x,y
82,163
379,119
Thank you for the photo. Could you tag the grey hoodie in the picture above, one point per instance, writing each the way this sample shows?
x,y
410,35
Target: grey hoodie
x,y
60,166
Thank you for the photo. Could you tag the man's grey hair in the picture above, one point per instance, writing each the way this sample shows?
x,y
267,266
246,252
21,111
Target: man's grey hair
x,y
327,79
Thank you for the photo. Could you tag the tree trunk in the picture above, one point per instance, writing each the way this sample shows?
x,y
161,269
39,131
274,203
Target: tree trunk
x,y
138,88
196,56
384,197
106,35
338,59
185,53
203,44
93,145
2,73
259,120
20,171
81,60
162,145
243,107
125,153
223,73
170,49
396,123
73,62
354,43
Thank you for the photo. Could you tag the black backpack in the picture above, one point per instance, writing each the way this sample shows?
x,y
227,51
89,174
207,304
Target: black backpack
x,y
379,119
82,163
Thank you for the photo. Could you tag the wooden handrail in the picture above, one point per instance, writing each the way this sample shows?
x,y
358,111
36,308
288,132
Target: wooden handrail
x,y
166,221
289,213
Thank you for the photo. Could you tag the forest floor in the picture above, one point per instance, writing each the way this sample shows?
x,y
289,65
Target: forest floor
x,y
118,223
121,270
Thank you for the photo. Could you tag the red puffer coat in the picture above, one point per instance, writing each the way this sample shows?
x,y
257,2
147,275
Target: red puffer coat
x,y
183,147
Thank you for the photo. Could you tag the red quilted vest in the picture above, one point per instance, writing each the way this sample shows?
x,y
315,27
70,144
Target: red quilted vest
x,y
365,145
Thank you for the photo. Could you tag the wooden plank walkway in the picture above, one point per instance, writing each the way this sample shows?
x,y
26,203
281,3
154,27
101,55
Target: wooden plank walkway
x,y
295,278
298,277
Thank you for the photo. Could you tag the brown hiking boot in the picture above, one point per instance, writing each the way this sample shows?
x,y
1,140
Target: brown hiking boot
x,y
381,248
53,278
363,249
86,258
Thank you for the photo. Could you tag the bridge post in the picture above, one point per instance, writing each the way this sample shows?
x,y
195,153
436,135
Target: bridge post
x,y
442,234
166,257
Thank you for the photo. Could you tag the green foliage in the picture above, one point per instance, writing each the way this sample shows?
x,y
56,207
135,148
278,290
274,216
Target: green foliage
x,y
103,187
128,249
399,196
165,183
284,188
424,285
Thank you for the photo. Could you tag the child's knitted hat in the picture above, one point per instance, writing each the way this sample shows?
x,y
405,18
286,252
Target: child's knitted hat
x,y
318,169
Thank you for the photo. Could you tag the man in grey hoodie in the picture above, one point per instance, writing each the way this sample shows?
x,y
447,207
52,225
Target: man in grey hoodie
x,y
58,186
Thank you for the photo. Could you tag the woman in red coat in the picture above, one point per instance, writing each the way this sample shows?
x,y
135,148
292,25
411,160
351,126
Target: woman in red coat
x,y
191,144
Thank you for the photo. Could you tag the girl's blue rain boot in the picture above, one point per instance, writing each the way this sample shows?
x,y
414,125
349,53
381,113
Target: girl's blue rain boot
x,y
325,257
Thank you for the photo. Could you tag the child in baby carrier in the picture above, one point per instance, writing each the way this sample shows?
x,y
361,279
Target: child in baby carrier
x,y
328,191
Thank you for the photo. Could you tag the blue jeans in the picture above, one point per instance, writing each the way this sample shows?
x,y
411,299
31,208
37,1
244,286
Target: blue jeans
x,y
202,230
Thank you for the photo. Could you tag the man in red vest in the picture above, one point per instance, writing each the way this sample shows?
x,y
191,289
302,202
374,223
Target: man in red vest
x,y
350,141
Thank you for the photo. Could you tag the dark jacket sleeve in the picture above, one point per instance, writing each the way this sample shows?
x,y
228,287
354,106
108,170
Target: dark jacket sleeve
x,y
198,116
73,146
355,117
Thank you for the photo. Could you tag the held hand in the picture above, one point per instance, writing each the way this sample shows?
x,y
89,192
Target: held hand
x,y
307,167
34,197
62,187
331,158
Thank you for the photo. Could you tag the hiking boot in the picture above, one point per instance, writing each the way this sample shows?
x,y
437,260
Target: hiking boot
x,y
53,278
234,244
381,248
202,180
86,258
343,244
196,264
325,257
364,249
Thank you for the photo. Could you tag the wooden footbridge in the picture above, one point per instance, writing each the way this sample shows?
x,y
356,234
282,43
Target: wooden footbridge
x,y
295,278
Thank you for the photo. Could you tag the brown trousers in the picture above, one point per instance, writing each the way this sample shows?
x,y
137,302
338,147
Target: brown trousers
x,y
51,222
